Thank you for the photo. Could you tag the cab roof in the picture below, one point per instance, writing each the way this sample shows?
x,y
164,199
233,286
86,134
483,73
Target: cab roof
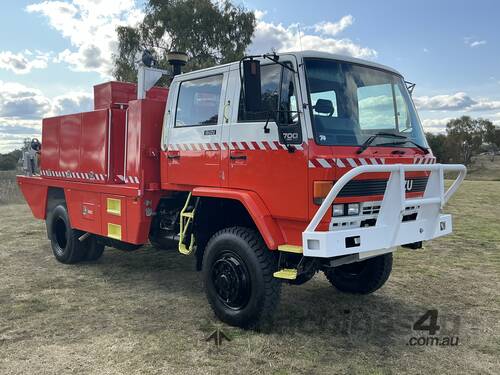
x,y
334,56
309,54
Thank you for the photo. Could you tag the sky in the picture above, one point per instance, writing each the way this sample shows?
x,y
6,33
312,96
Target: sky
x,y
53,52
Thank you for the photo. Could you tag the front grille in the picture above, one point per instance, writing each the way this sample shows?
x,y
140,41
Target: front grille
x,y
359,188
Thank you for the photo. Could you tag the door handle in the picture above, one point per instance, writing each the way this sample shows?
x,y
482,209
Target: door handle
x,y
173,155
238,157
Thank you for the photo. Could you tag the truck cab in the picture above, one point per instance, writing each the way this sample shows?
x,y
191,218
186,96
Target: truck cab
x,y
267,170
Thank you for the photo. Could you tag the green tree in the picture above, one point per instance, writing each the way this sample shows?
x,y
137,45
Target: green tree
x,y
437,143
465,137
9,162
209,32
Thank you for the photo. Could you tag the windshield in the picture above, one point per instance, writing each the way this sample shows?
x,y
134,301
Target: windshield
x,y
352,102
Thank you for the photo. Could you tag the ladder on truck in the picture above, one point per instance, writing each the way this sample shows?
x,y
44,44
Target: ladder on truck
x,y
186,236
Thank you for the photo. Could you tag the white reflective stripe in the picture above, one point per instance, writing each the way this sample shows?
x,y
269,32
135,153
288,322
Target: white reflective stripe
x,y
272,145
136,180
374,161
240,146
363,161
231,146
324,163
299,147
311,165
250,145
340,164
352,162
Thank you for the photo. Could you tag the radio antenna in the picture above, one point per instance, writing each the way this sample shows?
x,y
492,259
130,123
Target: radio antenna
x,y
300,37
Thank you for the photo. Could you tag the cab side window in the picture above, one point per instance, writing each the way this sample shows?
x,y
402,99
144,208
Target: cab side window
x,y
198,102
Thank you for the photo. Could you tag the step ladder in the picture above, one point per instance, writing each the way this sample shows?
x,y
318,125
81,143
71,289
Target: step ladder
x,y
187,245
287,273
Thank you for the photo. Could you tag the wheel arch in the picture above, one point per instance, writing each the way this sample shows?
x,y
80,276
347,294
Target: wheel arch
x,y
254,207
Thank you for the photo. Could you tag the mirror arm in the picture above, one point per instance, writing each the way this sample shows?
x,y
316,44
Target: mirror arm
x,y
274,58
266,127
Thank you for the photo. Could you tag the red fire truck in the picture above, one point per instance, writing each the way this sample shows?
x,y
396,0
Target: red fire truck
x,y
267,170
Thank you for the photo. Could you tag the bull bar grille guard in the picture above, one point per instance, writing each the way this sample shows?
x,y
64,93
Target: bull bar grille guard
x,y
389,230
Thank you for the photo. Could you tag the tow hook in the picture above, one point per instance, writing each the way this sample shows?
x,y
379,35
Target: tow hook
x,y
413,245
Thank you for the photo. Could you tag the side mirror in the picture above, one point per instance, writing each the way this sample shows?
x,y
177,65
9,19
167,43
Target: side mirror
x,y
252,86
324,106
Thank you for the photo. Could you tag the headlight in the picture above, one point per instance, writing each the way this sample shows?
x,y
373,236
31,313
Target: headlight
x,y
338,210
353,209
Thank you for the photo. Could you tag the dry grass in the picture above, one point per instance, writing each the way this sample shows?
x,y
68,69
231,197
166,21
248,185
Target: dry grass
x,y
485,168
9,191
145,312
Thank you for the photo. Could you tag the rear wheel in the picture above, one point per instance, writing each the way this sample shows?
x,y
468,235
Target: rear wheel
x,y
64,239
361,277
93,249
238,275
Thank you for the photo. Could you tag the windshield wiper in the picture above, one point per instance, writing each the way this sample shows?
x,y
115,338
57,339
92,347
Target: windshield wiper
x,y
424,149
371,138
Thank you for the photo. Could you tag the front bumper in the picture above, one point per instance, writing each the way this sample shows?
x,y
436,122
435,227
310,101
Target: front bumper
x,y
390,229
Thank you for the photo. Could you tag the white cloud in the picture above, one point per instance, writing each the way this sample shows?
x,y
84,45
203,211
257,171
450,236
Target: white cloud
x,y
23,62
90,26
269,36
334,28
471,42
436,125
19,101
478,43
72,102
22,109
453,102
459,101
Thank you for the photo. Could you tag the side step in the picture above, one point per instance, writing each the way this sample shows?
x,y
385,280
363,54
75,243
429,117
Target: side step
x,y
286,273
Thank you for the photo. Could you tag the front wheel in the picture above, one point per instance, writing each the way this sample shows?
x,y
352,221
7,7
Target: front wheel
x,y
238,276
361,277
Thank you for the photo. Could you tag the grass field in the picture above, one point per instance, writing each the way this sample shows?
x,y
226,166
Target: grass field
x,y
146,312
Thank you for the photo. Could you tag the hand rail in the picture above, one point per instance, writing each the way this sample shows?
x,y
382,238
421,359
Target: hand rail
x,y
441,168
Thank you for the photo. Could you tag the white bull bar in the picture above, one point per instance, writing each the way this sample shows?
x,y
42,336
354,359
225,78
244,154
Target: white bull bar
x,y
389,231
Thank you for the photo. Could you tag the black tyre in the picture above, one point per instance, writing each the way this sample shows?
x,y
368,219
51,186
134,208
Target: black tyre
x,y
361,277
64,239
238,275
93,249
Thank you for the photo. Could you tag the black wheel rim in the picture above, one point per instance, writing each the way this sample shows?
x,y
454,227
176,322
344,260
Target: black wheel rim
x,y
231,280
60,234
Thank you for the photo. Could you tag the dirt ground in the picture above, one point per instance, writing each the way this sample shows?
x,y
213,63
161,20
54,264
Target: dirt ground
x,y
146,312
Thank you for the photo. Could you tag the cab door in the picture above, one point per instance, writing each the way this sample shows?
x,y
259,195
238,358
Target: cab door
x,y
193,154
256,160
